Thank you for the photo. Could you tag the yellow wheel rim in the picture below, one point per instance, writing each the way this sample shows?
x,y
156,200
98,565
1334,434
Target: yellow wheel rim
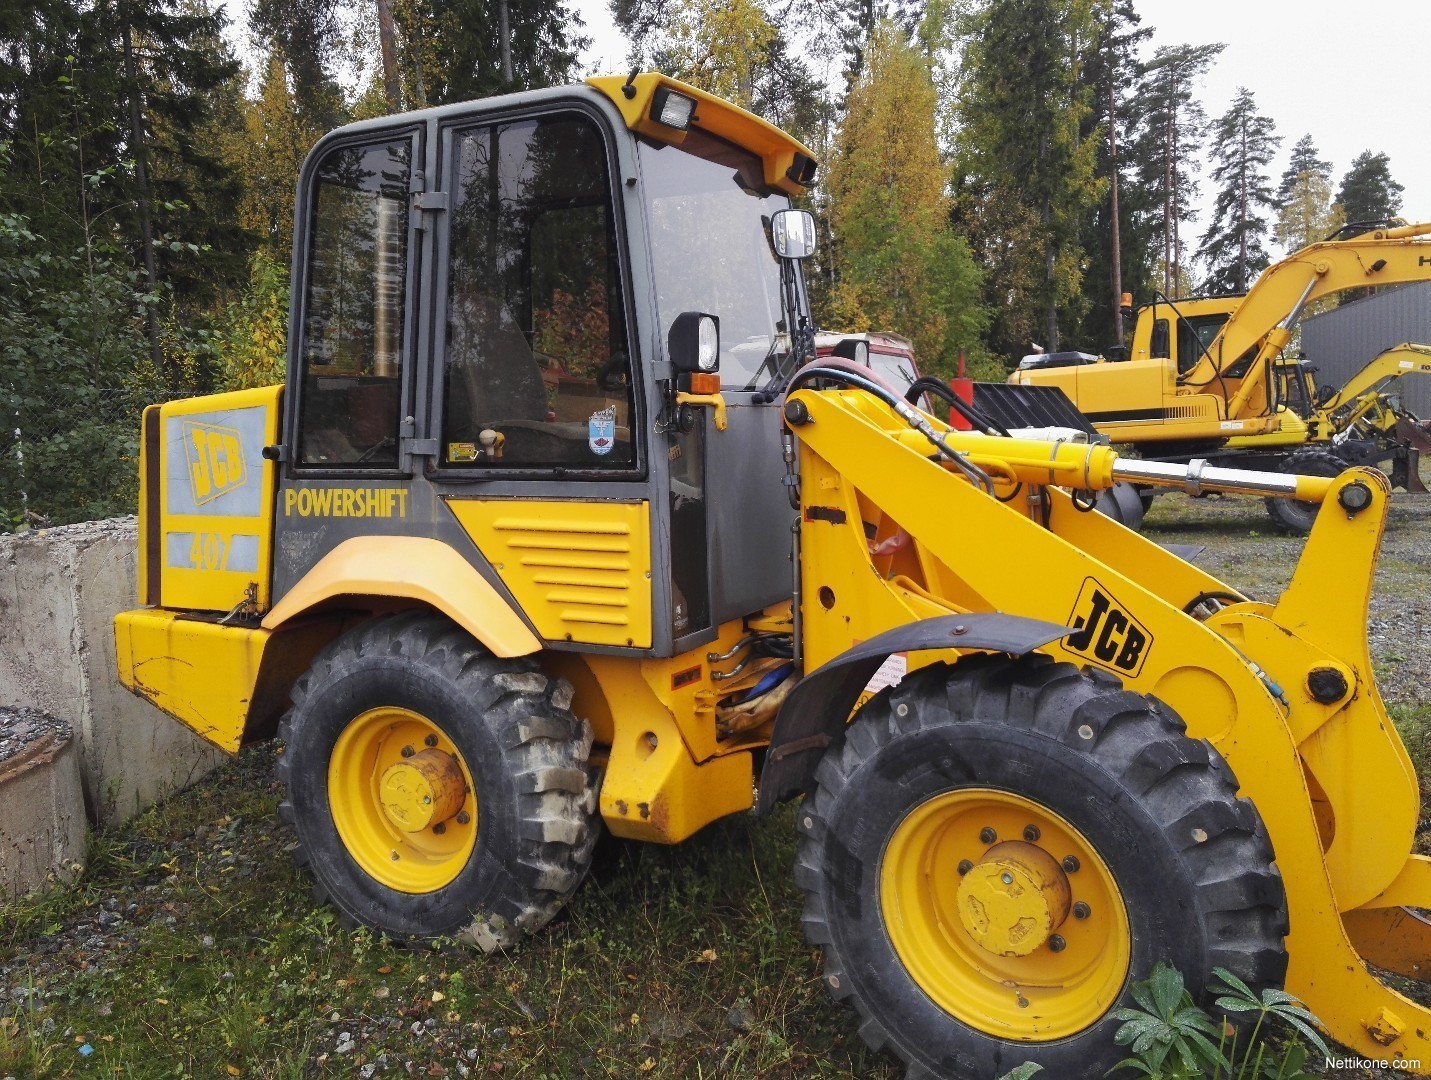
x,y
402,799
1005,915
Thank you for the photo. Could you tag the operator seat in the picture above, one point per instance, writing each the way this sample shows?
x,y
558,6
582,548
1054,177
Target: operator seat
x,y
492,374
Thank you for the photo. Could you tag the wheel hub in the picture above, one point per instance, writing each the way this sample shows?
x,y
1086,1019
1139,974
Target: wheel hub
x,y
1026,939
1013,899
421,791
402,799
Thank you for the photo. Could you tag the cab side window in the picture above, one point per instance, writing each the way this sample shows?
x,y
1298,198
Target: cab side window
x,y
352,344
1158,346
536,369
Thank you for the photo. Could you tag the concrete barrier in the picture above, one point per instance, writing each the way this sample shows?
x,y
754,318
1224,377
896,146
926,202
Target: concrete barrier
x,y
59,592
41,804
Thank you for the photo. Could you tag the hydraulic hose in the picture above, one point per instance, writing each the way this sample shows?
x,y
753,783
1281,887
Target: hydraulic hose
x,y
840,370
927,385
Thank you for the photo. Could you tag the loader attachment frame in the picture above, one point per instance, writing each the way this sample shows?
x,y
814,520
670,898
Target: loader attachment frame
x,y
1285,692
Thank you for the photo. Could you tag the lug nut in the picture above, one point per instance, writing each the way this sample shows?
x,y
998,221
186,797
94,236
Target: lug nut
x,y
1081,910
1056,943
431,740
395,856
1071,864
965,866
987,835
463,817
1031,833
1007,878
407,751
439,828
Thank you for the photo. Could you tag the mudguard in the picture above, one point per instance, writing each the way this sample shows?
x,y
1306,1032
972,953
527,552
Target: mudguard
x,y
818,707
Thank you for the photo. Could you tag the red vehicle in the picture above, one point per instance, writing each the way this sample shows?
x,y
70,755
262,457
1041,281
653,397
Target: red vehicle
x,y
888,355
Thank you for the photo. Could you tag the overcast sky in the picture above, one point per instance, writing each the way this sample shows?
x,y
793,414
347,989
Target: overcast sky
x,y
1351,79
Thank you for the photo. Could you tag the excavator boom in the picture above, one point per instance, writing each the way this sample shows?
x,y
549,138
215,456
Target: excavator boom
x,y
1201,369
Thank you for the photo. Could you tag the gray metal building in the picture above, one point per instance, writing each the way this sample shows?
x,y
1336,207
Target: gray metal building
x,y
1339,342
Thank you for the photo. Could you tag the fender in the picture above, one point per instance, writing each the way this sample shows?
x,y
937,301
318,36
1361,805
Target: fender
x,y
818,708
411,568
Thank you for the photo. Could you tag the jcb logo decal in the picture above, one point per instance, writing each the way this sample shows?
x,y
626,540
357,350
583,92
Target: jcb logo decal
x,y
1106,633
215,456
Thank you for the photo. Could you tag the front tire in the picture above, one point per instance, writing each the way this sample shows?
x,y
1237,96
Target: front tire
x,y
437,791
997,850
1295,515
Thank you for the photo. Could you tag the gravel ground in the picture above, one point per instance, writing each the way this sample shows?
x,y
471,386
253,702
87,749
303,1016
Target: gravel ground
x,y
22,727
217,867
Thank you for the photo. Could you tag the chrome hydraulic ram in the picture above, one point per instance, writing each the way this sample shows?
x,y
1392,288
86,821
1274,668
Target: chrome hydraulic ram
x,y
1197,477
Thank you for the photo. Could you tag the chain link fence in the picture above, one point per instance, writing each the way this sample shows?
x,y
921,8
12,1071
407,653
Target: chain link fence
x,y
68,453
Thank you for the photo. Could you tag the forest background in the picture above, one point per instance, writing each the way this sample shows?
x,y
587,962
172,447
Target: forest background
x,y
996,174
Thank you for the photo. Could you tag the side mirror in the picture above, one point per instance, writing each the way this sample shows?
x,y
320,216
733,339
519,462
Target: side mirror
x,y
793,233
693,342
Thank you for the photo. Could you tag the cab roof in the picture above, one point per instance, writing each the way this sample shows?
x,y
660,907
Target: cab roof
x,y
789,165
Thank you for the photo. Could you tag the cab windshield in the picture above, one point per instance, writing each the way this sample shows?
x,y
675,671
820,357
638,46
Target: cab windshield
x,y
709,213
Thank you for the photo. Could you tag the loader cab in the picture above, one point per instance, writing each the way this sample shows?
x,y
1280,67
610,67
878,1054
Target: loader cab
x,y
484,297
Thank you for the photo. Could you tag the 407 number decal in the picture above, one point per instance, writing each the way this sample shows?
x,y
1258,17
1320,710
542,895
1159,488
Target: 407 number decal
x,y
1105,633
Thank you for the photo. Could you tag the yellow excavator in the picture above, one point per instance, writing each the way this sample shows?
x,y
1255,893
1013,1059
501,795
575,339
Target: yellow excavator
x,y
560,525
1206,378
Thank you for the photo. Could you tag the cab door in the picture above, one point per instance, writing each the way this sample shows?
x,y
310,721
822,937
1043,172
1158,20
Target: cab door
x,y
537,424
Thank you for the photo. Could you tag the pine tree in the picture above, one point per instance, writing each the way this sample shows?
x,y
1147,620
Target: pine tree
x,y
1303,160
1025,175
1117,235
899,265
307,34
1368,193
276,136
106,109
1168,146
1243,145
455,50
1305,211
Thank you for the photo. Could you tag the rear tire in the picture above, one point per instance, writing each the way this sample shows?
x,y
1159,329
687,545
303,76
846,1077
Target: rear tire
x,y
1294,515
517,824
1009,744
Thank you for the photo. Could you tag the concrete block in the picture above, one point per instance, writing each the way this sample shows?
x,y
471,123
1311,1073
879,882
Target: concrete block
x,y
59,592
41,805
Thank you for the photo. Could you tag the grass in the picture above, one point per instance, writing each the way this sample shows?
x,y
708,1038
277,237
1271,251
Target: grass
x,y
670,962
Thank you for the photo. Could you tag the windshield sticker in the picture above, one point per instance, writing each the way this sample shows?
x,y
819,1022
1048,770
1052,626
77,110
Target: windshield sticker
x,y
461,451
601,430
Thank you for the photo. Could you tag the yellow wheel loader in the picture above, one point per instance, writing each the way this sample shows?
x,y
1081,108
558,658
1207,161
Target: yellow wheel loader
x,y
559,525
1206,379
